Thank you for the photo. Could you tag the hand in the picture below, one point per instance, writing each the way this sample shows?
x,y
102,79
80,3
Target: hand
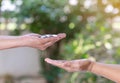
x,y
73,65
34,40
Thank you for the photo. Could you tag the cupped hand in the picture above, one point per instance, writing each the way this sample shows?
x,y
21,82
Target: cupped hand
x,y
73,65
34,40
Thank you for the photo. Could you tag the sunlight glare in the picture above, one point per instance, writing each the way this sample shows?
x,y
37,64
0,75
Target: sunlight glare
x,y
7,5
73,2
116,23
109,8
87,3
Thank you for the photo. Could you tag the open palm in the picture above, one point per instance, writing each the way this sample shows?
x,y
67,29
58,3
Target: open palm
x,y
73,65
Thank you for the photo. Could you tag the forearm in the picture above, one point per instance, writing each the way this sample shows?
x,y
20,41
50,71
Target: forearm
x,y
109,71
11,42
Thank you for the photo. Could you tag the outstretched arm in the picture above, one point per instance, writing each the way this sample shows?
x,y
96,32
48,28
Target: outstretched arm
x,y
29,40
11,42
109,71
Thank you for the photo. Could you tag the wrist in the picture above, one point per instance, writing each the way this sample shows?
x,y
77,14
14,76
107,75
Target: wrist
x,y
28,41
22,41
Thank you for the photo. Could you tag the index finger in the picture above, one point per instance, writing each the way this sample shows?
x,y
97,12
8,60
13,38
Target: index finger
x,y
58,63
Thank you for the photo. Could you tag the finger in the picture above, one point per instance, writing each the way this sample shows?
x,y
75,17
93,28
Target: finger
x,y
51,39
45,46
60,61
54,39
61,35
55,62
48,44
60,64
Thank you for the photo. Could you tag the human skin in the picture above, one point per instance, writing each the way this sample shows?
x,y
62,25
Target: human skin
x,y
110,71
29,40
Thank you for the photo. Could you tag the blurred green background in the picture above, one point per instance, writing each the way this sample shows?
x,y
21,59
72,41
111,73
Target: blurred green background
x,y
92,28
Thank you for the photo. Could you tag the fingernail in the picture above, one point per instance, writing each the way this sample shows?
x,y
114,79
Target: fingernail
x,y
46,59
62,35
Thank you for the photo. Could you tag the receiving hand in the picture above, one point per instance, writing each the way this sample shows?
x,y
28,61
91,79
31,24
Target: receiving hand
x,y
73,65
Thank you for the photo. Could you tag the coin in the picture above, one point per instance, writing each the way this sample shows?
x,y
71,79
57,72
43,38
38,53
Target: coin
x,y
48,35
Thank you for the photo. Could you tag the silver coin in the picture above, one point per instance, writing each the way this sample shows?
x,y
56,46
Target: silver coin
x,y
48,35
